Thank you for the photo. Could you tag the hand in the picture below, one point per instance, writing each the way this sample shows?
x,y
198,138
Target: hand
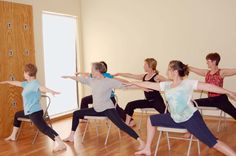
x,y
77,73
55,93
233,95
116,74
127,84
65,77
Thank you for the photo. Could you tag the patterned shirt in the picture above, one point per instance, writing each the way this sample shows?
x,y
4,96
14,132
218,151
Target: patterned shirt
x,y
214,79
179,99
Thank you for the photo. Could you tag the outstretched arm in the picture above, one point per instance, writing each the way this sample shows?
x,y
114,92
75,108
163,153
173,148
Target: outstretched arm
x,y
85,74
47,90
81,79
148,85
228,72
122,80
160,78
71,77
201,72
213,88
14,83
129,75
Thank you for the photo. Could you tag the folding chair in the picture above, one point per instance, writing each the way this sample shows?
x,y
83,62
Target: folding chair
x,y
144,111
100,118
221,117
45,116
168,130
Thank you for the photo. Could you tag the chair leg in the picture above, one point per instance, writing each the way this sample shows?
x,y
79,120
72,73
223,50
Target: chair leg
x,y
140,120
96,125
86,127
49,121
168,140
190,144
218,127
224,119
119,133
198,147
35,136
108,132
19,131
158,142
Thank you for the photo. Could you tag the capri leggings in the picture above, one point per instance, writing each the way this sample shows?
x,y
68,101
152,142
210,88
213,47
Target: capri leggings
x,y
39,122
110,113
195,125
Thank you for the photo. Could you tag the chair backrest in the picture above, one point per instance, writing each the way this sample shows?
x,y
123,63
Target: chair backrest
x,y
116,98
48,103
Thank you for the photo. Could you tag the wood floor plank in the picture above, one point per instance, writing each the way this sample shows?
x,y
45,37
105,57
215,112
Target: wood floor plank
x,y
94,146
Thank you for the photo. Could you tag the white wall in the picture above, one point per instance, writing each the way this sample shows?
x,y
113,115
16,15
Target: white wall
x,y
124,32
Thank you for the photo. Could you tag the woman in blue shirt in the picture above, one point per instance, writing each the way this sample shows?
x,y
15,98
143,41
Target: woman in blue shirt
x,y
32,109
182,113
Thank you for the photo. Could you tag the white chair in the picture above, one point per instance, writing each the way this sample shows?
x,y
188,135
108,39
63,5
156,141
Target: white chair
x,y
45,116
144,111
168,130
100,118
222,114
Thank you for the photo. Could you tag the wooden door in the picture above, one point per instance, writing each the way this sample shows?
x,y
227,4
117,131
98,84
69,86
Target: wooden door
x,y
16,50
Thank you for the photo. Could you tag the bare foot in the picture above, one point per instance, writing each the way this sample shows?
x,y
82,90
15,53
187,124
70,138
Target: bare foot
x,y
10,138
59,147
141,145
187,135
144,151
69,139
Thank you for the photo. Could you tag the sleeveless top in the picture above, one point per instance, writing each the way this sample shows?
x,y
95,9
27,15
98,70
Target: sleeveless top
x,y
154,94
215,79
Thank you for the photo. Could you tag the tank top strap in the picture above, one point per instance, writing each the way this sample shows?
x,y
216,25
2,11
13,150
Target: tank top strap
x,y
144,77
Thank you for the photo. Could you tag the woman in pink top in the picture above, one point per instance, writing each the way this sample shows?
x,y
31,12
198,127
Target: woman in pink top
x,y
216,76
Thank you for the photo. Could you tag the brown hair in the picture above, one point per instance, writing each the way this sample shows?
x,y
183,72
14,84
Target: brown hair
x,y
31,69
105,64
183,69
152,63
213,57
98,66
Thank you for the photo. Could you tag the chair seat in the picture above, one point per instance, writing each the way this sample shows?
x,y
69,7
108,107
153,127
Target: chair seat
x,y
174,130
148,109
24,119
96,117
208,108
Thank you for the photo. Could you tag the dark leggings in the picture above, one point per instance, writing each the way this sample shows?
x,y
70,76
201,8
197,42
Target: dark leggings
x,y
195,125
222,102
89,100
110,113
159,105
38,121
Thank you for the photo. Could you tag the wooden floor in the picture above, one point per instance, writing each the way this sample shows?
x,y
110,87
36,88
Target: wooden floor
x,y
94,146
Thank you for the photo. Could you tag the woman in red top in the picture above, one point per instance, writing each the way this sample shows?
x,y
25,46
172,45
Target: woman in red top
x,y
216,76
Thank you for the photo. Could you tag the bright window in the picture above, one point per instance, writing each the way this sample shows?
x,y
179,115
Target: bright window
x,y
59,41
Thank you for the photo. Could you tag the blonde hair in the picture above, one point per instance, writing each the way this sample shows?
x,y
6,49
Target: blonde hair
x,y
152,63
